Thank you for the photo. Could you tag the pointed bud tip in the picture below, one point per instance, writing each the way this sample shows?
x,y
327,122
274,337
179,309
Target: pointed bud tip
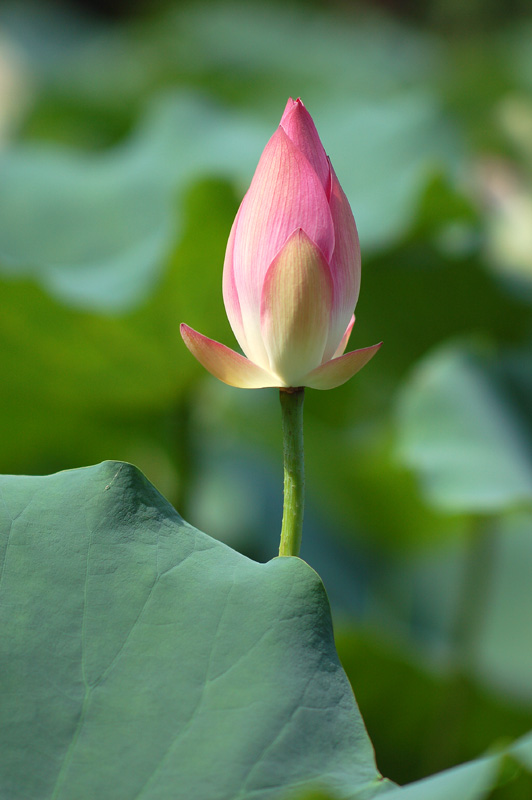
x,y
287,109
293,106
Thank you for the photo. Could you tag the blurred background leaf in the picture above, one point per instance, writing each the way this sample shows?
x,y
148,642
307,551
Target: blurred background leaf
x,y
128,135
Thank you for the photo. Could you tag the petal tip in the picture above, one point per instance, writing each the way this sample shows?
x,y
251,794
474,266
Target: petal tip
x,y
339,370
225,364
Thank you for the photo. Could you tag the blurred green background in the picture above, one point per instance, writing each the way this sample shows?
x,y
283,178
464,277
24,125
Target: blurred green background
x,y
128,135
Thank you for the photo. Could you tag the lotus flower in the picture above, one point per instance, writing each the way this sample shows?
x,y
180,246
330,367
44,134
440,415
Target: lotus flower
x,y
292,271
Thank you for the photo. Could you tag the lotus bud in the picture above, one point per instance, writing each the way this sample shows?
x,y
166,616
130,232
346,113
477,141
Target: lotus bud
x,y
291,275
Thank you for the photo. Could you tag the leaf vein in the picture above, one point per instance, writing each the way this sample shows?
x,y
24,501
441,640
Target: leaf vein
x,y
199,702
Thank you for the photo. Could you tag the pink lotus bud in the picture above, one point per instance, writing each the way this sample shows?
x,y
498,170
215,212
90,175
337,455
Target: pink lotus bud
x,y
292,271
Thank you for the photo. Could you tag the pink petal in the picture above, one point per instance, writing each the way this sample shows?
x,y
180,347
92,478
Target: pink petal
x,y
345,338
295,309
288,107
345,265
224,363
230,294
337,371
285,194
299,127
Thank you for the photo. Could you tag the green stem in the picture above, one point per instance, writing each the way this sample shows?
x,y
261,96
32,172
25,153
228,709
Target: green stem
x,y
294,471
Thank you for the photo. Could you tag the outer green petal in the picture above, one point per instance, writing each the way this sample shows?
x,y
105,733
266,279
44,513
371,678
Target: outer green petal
x,y
296,309
225,364
337,371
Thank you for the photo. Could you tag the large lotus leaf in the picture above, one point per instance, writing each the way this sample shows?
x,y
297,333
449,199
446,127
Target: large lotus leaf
x,y
143,659
465,434
94,360
74,393
95,229
471,781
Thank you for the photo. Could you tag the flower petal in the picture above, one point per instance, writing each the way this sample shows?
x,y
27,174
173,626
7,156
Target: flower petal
x,y
230,294
345,265
299,127
295,309
285,194
345,338
224,363
337,371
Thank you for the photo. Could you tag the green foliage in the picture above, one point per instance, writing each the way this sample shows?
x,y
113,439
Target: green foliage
x,y
450,716
145,659
178,666
469,441
125,150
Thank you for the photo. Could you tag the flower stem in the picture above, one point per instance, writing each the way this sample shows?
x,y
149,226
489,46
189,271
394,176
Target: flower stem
x,y
294,471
